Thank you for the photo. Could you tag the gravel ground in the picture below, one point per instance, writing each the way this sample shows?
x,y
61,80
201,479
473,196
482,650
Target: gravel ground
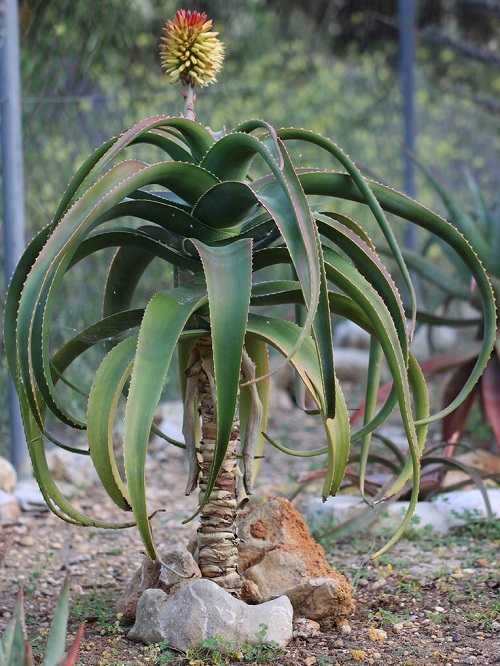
x,y
428,601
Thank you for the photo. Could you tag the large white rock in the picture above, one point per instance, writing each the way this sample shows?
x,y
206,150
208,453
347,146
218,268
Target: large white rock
x,y
446,511
202,610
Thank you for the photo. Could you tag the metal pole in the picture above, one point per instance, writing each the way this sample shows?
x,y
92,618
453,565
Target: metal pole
x,y
13,192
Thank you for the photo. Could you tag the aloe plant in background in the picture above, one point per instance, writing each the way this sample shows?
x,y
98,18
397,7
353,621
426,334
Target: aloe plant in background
x,y
15,649
223,212
481,228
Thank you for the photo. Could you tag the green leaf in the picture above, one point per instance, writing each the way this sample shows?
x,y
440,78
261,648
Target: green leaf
x,y
228,273
164,320
225,205
107,388
54,650
283,335
330,184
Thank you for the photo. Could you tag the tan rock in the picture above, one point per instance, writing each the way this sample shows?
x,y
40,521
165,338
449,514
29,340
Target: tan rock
x,y
9,507
278,555
146,577
8,476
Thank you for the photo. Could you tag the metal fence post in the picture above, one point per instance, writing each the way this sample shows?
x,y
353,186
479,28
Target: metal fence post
x,y
13,191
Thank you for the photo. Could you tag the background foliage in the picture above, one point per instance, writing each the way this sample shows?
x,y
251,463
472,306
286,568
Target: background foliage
x,y
91,68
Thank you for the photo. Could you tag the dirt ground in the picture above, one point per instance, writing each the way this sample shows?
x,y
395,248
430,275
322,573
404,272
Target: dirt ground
x,y
428,601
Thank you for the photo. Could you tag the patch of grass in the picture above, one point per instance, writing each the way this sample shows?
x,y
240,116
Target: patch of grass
x,y
486,617
95,607
476,526
216,651
386,617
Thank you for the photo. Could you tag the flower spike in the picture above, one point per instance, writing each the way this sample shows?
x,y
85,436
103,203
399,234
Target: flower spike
x,y
190,52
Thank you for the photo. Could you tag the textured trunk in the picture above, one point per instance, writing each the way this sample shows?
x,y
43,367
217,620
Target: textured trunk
x,y
218,552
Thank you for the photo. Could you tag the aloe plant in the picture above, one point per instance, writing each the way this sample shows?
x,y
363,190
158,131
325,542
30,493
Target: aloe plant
x,y
15,649
222,211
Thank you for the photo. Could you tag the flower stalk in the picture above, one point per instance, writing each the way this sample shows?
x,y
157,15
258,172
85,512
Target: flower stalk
x,y
191,54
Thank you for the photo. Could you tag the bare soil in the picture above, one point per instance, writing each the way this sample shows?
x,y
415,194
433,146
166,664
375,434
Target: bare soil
x,y
429,601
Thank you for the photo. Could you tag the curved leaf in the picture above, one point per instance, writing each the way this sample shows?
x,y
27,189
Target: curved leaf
x,y
164,320
228,273
106,390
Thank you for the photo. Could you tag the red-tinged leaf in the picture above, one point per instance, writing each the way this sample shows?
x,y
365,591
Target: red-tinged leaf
x,y
449,361
453,424
490,395
70,657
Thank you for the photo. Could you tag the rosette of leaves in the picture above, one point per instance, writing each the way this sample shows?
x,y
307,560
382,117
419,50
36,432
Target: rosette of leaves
x,y
200,211
16,650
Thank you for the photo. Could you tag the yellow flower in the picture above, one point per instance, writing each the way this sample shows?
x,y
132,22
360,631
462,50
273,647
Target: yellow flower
x,y
189,51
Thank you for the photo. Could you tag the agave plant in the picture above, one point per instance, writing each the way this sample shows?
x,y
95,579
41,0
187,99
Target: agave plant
x,y
481,228
15,649
221,212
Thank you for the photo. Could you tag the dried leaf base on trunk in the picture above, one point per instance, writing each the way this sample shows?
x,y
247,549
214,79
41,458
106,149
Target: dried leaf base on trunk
x,y
217,545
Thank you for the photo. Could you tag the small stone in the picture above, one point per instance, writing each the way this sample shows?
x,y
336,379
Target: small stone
x,y
177,567
26,541
305,628
377,634
362,582
398,627
345,628
319,598
378,584
201,610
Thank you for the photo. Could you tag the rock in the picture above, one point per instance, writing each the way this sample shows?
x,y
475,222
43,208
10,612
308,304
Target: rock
x,y
442,513
348,334
304,628
174,568
319,598
8,476
484,462
70,467
278,555
9,508
29,497
201,610
147,576
177,568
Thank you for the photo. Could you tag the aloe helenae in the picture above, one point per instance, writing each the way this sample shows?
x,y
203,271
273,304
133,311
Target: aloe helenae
x,y
225,215
201,212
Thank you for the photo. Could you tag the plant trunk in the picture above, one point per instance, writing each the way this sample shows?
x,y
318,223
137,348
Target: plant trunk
x,y
218,551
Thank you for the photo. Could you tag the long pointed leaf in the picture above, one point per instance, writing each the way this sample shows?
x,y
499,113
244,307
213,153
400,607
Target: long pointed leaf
x,y
164,319
228,273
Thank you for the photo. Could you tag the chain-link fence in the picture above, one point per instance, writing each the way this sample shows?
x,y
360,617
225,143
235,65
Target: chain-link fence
x,y
91,68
